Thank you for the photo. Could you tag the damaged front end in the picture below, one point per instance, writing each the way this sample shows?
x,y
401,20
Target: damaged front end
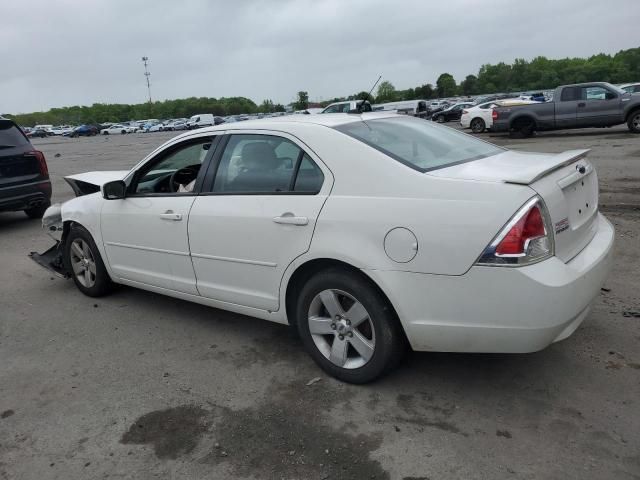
x,y
82,184
53,259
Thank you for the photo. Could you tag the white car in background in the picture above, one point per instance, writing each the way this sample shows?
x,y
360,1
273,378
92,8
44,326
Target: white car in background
x,y
118,128
61,130
480,117
361,231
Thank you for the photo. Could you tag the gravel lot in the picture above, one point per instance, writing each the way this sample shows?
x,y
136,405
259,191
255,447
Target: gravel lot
x,y
137,385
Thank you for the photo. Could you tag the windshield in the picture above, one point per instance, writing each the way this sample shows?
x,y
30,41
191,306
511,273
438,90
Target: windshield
x,y
418,144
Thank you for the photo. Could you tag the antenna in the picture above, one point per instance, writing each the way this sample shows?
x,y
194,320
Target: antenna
x,y
147,74
361,105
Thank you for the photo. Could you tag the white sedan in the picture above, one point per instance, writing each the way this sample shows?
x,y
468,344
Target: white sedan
x,y
122,129
480,117
364,232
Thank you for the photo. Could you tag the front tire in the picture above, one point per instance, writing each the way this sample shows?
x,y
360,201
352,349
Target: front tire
x,y
634,122
349,330
85,264
477,125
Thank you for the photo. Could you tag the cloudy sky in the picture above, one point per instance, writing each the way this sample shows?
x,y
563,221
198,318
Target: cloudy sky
x,y
77,52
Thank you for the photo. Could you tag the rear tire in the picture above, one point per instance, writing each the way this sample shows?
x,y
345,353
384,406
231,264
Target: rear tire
x,y
37,212
477,125
634,122
524,127
84,263
357,337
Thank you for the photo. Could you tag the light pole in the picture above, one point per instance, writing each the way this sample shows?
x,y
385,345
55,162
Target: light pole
x,y
147,74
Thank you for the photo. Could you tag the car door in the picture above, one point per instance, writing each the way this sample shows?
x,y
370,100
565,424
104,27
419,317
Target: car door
x,y
598,106
145,233
256,215
566,107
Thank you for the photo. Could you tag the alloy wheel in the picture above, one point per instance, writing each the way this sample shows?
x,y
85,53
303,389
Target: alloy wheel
x,y
83,263
341,329
636,122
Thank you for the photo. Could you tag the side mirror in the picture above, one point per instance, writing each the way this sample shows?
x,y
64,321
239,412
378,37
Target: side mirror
x,y
114,190
610,95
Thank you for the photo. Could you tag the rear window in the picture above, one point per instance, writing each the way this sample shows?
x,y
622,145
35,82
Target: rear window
x,y
418,144
10,135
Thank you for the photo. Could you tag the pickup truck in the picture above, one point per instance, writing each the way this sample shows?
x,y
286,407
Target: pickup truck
x,y
596,104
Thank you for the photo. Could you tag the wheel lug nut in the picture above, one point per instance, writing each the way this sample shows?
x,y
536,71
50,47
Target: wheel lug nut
x,y
333,326
341,337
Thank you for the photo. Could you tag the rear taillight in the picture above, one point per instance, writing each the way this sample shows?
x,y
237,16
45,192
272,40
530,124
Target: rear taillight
x,y
525,239
494,115
42,163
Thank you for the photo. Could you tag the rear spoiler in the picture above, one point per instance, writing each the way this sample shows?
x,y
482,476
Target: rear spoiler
x,y
534,172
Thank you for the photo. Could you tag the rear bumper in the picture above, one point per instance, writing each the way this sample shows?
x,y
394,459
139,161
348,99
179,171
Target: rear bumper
x,y
22,197
500,309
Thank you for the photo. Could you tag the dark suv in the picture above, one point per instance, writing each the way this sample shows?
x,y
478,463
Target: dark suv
x,y
24,177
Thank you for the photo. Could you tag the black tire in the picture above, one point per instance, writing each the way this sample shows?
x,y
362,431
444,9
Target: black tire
x,y
634,122
524,127
477,125
440,119
389,341
123,132
37,212
102,284
105,133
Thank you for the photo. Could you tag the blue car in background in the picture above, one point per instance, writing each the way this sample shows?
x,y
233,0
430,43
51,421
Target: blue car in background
x,y
83,131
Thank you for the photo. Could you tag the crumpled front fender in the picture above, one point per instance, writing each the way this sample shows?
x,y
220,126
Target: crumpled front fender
x,y
52,221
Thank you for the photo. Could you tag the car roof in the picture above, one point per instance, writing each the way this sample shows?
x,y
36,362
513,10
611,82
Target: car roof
x,y
326,120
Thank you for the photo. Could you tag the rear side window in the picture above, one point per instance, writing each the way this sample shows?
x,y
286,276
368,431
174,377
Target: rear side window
x,y
11,136
265,164
570,94
420,145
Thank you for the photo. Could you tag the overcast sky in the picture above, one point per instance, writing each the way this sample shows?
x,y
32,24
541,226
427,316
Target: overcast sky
x,y
77,52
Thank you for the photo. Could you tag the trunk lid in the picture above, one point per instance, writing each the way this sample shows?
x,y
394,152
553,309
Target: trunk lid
x,y
567,183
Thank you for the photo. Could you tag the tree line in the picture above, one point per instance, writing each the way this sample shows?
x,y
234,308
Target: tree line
x,y
540,73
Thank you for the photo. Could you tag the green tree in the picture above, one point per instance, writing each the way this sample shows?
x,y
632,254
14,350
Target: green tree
x,y
469,86
446,85
386,92
266,106
425,91
302,103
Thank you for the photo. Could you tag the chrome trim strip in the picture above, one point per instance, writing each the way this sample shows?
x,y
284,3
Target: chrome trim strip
x,y
234,260
147,249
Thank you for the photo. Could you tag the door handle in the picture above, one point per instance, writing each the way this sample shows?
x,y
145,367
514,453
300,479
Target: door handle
x,y
581,104
170,215
289,218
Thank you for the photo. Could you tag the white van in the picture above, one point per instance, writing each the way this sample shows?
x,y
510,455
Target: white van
x,y
416,108
201,120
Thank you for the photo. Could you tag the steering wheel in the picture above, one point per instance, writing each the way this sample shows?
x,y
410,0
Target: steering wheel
x,y
182,176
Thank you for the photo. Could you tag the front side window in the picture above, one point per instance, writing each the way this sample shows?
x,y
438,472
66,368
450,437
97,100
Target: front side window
x,y
594,93
175,171
265,164
419,144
